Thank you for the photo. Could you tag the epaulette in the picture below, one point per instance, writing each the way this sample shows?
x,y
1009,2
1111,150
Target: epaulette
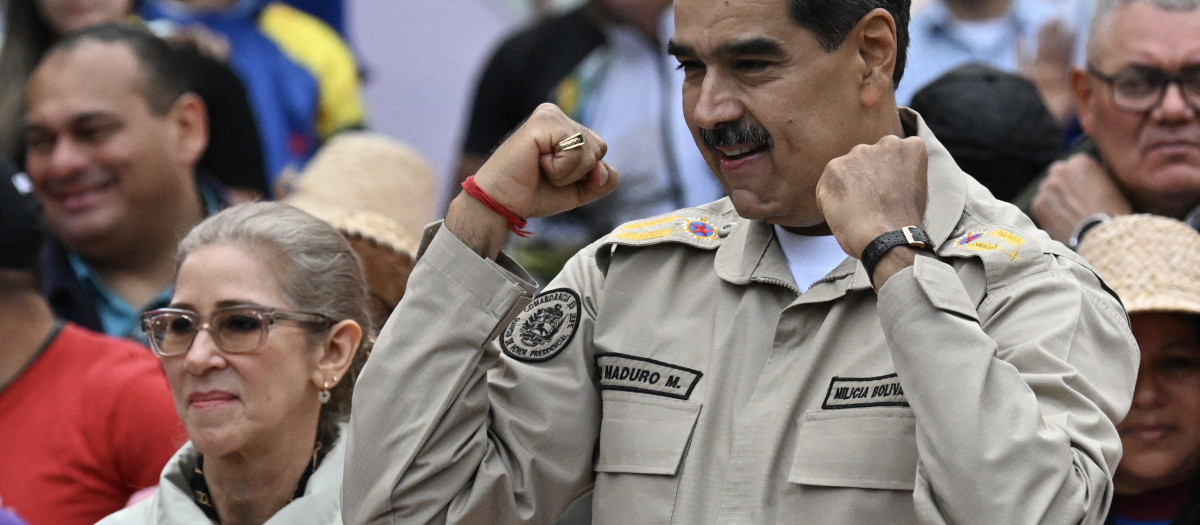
x,y
699,227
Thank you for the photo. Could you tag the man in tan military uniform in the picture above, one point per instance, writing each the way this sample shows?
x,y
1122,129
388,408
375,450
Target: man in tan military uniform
x,y
679,368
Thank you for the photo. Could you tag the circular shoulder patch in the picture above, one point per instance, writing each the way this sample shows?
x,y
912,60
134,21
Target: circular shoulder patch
x,y
701,228
544,328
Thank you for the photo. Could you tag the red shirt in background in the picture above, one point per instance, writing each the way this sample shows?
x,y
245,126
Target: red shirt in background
x,y
85,425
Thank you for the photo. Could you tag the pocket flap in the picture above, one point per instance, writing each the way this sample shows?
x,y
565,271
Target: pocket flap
x,y
932,276
870,450
645,436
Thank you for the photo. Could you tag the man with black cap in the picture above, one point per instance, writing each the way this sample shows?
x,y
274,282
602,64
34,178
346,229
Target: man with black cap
x,y
994,124
88,418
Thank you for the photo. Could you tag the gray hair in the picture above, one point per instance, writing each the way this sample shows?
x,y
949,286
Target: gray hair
x,y
1105,8
317,271
831,21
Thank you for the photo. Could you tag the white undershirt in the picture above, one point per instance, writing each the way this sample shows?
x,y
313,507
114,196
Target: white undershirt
x,y
810,258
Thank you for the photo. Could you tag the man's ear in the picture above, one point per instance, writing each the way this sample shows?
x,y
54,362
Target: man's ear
x,y
875,36
337,354
189,116
1084,93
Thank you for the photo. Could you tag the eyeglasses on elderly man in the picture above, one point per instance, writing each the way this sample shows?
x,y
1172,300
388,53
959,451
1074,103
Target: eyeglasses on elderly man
x,y
1141,89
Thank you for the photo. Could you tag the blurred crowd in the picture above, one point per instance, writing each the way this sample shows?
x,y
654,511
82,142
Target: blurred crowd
x,y
181,180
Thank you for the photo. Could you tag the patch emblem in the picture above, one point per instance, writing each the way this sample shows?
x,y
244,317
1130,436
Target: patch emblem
x,y
637,231
856,392
647,376
644,236
1003,241
696,230
969,238
701,228
639,225
544,328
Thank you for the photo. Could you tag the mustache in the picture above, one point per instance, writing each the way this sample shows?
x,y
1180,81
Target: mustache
x,y
735,135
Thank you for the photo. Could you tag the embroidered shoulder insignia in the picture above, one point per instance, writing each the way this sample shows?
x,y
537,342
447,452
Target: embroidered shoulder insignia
x,y
693,229
1003,241
544,328
701,228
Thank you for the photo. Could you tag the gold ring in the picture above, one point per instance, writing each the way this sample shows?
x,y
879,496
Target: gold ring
x,y
569,143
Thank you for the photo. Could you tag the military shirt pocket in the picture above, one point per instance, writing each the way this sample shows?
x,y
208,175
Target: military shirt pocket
x,y
645,436
872,448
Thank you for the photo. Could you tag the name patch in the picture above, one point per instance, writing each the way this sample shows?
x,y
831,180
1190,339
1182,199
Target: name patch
x,y
638,374
856,392
544,328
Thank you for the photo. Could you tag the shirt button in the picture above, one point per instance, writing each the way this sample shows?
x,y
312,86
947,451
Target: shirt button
x,y
725,229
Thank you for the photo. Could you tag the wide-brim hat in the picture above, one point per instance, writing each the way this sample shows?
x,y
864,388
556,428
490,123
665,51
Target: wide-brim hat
x,y
369,186
1152,262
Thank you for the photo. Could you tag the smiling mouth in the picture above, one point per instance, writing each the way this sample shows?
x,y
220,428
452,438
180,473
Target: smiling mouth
x,y
82,194
741,151
78,201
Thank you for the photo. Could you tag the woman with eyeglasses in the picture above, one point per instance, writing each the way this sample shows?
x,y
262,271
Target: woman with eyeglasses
x,y
261,345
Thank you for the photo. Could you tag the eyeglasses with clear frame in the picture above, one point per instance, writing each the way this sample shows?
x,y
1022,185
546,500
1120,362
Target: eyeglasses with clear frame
x,y
234,329
1141,89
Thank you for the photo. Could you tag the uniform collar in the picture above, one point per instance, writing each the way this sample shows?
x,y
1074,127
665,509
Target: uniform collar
x,y
947,194
750,252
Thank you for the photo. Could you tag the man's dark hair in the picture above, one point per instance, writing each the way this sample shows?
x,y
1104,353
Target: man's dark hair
x,y
163,80
831,21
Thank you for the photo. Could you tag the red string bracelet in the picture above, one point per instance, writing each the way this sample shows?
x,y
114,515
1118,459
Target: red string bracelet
x,y
515,223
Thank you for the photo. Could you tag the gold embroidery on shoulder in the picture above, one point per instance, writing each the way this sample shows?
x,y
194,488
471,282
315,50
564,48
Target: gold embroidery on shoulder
x,y
648,223
645,236
1008,243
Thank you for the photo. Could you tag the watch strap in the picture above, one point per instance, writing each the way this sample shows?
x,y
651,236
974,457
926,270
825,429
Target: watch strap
x,y
1084,226
906,236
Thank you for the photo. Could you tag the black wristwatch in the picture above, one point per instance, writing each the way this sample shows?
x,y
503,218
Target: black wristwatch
x,y
906,236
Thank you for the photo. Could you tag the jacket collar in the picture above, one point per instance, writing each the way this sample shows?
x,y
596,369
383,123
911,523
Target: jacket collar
x,y
173,501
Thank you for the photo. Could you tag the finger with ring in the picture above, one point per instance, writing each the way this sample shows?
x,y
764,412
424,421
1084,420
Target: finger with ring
x,y
569,143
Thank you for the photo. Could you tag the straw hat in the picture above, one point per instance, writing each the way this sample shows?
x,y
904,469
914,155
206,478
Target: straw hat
x,y
367,185
380,194
1152,262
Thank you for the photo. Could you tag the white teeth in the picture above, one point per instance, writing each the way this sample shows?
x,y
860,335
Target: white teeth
x,y
737,151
